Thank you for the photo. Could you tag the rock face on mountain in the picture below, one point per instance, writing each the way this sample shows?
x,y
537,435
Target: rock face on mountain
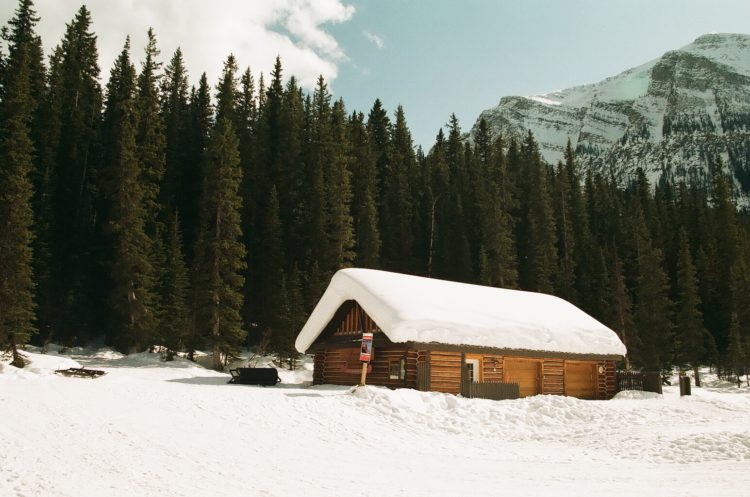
x,y
670,116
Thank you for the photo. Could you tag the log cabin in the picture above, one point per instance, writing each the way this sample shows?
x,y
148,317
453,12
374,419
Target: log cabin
x,y
444,336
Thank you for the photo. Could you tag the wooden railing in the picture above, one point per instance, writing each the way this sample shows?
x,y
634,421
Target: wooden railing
x,y
492,391
646,381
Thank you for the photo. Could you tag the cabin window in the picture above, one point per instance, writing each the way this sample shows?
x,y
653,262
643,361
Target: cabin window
x,y
397,370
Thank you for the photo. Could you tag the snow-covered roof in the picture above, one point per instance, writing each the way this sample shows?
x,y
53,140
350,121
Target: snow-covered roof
x,y
424,310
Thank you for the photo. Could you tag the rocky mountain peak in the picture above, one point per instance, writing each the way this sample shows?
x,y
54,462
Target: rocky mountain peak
x,y
670,116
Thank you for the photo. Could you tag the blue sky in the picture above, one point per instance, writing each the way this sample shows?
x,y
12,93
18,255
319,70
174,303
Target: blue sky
x,y
439,56
435,57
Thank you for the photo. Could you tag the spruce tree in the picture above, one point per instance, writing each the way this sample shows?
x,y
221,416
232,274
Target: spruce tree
x,y
726,240
537,245
150,138
78,286
653,311
339,223
291,171
194,173
295,317
689,348
16,164
453,252
317,155
220,254
438,188
378,130
735,356
364,187
270,299
619,312
397,205
497,259
563,202
175,115
227,93
131,291
173,290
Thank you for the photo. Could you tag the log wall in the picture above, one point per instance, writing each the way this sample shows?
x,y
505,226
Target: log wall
x,y
492,368
445,371
553,377
341,366
607,384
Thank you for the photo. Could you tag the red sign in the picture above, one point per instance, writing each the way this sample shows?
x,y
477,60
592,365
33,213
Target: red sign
x,y
366,351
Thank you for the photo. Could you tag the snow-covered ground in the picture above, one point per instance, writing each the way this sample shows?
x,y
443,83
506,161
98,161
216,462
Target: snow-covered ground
x,y
151,428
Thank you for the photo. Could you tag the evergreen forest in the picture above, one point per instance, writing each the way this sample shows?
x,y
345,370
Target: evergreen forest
x,y
211,216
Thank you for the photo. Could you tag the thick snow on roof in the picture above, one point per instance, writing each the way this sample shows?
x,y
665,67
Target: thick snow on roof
x,y
414,309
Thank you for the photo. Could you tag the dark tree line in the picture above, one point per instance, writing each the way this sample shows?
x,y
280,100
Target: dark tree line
x,y
152,212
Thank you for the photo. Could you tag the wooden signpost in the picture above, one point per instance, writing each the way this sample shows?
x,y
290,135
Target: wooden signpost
x,y
365,353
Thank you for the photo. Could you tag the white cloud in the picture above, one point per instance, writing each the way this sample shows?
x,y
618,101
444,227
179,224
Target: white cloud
x,y
374,39
207,31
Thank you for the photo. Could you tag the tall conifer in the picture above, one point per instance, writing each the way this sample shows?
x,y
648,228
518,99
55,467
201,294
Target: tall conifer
x,y
173,290
220,254
175,116
364,186
77,287
131,294
16,164
689,348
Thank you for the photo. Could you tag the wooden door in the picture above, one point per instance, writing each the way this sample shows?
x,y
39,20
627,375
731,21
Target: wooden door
x,y
525,372
580,379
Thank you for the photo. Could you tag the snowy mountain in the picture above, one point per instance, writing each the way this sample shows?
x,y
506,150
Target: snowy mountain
x,y
668,116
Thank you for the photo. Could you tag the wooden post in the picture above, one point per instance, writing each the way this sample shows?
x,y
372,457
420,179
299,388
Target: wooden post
x,y
365,354
364,374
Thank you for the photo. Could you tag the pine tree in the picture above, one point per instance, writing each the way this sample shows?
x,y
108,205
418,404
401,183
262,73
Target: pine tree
x,y
131,292
78,286
364,204
724,221
150,138
583,240
16,164
44,181
173,290
452,250
194,173
735,352
226,94
175,115
689,348
339,223
563,202
619,312
220,255
378,130
537,244
653,311
397,206
296,315
497,260
291,171
317,154
270,299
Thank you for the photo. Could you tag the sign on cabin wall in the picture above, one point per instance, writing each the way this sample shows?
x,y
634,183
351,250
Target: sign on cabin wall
x,y
365,352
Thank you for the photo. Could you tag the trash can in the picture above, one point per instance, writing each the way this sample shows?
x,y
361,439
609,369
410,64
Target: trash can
x,y
684,385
